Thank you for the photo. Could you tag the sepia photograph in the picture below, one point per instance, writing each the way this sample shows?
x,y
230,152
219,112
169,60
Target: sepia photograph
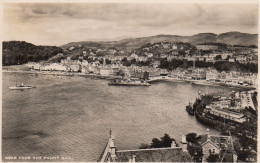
x,y
132,81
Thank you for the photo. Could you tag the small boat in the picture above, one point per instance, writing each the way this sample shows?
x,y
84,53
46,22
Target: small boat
x,y
190,109
21,86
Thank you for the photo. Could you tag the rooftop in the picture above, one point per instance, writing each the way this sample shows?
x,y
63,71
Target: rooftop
x,y
154,155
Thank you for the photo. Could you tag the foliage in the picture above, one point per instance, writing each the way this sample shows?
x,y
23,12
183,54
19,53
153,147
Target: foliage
x,y
219,65
218,57
213,158
164,141
191,138
156,143
21,52
195,151
108,61
194,148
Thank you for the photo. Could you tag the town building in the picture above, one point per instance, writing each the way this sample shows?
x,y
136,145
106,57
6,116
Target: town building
x,y
206,47
222,112
217,144
168,154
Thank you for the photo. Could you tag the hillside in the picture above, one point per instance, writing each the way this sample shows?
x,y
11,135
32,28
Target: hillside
x,y
237,38
232,38
21,52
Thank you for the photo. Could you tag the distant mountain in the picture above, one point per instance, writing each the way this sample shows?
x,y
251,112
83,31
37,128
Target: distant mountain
x,y
237,38
232,38
20,52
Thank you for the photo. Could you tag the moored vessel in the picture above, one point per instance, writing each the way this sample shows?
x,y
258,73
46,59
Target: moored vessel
x,y
129,83
21,86
190,109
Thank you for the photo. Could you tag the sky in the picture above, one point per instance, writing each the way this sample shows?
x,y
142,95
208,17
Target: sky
x,y
61,23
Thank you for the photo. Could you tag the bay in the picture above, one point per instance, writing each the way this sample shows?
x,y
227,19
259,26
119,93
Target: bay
x,y
69,116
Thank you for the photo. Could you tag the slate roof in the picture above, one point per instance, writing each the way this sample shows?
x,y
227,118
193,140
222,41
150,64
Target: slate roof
x,y
154,155
220,141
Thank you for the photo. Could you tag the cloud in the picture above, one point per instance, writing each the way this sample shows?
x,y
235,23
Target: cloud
x,y
76,21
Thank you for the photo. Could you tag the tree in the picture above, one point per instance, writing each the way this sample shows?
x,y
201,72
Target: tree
x,y
213,158
166,140
191,138
195,151
156,143
218,57
108,61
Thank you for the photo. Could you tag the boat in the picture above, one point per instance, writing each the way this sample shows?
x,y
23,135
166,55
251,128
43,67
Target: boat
x,y
190,109
21,86
129,83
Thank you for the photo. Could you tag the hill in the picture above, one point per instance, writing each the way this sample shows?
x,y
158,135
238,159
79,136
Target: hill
x,y
21,52
232,38
237,38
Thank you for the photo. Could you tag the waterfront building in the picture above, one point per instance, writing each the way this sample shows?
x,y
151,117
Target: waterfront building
x,y
219,111
105,71
198,74
211,75
168,154
153,72
155,63
74,67
33,65
69,61
56,67
84,63
84,69
163,72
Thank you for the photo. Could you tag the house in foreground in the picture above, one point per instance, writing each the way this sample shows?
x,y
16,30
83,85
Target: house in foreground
x,y
169,154
218,144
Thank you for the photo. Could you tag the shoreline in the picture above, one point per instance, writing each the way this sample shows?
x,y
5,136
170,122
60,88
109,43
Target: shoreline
x,y
151,80
199,82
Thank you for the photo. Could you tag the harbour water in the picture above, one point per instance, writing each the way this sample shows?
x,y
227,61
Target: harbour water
x,y
71,116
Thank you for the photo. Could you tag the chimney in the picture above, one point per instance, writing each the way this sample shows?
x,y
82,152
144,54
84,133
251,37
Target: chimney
x,y
173,145
112,147
133,157
184,143
207,133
